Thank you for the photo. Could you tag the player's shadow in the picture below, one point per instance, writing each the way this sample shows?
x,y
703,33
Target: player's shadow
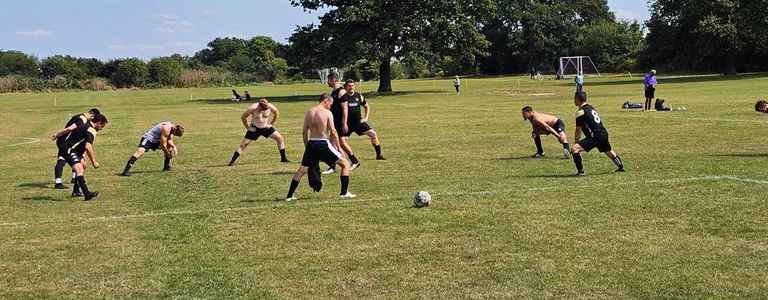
x,y
40,198
569,175
36,185
526,157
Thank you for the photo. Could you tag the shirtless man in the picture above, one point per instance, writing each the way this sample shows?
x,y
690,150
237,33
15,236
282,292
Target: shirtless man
x,y
321,143
263,116
160,137
546,124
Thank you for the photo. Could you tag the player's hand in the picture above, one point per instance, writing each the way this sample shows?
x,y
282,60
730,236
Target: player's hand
x,y
344,129
561,138
53,137
96,165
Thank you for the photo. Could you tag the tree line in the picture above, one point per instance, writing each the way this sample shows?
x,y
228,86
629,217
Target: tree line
x,y
386,40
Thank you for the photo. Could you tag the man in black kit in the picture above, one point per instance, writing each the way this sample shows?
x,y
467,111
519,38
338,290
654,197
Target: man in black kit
x,y
340,111
358,111
588,121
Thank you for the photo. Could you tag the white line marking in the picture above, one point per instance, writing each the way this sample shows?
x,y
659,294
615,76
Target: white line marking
x,y
339,202
29,141
694,119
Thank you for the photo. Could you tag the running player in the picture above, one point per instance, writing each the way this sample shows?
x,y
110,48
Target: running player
x,y
321,143
263,116
74,123
596,136
761,106
78,143
160,137
340,111
357,118
546,124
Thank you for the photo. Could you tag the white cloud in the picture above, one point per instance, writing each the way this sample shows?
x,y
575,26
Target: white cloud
x,y
173,26
37,33
147,47
624,14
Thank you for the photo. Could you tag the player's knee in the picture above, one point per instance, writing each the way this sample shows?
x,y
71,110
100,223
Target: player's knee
x,y
343,163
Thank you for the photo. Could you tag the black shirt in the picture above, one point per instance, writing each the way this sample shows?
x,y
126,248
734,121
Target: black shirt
x,y
77,139
78,120
590,123
356,102
338,114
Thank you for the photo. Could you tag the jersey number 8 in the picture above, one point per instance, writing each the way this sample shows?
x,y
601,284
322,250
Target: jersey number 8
x,y
596,117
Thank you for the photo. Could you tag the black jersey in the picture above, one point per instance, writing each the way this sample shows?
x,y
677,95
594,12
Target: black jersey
x,y
78,120
336,106
590,123
75,142
356,102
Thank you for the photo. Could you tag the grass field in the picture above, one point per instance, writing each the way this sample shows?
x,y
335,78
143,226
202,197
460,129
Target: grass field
x,y
688,220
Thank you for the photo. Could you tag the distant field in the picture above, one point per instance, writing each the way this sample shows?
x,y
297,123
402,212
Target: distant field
x,y
688,220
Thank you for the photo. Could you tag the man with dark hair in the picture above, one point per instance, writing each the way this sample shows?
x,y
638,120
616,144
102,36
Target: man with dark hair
x,y
546,124
761,106
263,116
60,136
160,137
340,111
589,123
357,120
321,143
77,144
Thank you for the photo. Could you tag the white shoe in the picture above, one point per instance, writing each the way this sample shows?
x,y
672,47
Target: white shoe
x,y
355,166
348,195
329,171
566,154
291,199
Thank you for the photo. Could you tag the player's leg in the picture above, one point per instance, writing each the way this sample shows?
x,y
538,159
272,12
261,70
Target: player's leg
x,y
346,168
80,181
131,161
243,145
167,162
537,141
605,147
280,141
375,142
295,182
58,171
348,150
576,154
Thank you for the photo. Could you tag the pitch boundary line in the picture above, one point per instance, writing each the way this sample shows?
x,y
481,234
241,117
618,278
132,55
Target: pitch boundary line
x,y
29,141
360,200
693,119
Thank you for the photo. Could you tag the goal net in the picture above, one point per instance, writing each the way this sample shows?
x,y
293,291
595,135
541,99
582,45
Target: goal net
x,y
573,65
323,73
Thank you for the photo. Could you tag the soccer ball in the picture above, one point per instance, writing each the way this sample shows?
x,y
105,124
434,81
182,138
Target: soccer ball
x,y
422,199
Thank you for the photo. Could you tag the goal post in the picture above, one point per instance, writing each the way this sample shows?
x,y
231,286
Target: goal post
x,y
323,73
573,65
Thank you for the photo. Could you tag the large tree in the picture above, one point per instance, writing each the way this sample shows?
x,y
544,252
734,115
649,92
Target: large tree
x,y
383,30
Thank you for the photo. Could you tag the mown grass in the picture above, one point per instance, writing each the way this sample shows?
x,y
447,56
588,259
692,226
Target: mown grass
x,y
688,219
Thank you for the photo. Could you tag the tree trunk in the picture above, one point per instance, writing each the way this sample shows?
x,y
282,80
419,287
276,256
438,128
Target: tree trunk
x,y
385,76
730,62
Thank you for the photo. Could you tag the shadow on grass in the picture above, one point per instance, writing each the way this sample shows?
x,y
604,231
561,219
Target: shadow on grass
x,y
40,198
38,185
569,175
679,80
306,98
529,157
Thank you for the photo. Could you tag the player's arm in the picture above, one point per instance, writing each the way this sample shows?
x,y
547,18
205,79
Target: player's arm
x,y
333,135
248,112
305,130
64,131
344,115
165,138
275,114
91,155
366,109
546,127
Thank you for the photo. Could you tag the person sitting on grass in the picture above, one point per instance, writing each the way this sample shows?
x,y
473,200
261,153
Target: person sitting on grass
x,y
761,106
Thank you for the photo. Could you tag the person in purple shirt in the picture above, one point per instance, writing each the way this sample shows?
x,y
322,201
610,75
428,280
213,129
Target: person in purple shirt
x,y
650,88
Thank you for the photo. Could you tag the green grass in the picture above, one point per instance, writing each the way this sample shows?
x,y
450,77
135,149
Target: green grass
x,y
500,226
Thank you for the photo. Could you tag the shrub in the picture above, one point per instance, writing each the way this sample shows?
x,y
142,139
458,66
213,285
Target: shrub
x,y
165,71
131,72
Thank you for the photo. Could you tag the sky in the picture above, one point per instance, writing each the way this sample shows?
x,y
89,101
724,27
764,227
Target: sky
x,y
108,29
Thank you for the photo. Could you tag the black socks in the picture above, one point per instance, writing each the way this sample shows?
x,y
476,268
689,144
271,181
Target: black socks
x,y
617,161
292,188
377,148
537,141
283,158
353,159
167,163
344,184
80,182
58,170
577,161
129,164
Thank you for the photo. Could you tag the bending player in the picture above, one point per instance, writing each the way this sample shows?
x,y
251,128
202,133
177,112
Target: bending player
x,y
321,144
60,136
160,137
546,124
588,121
78,143
263,116
357,118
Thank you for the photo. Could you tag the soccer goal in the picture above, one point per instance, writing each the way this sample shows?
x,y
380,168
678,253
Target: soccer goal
x,y
573,65
323,73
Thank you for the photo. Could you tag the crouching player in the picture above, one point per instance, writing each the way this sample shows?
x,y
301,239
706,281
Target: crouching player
x,y
78,143
546,124
589,123
158,137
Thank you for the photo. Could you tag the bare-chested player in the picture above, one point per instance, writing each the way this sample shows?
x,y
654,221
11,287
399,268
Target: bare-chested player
x,y
263,117
546,124
158,137
321,144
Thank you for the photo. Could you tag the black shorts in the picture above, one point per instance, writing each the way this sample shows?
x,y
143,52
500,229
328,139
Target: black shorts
x,y
650,92
320,150
148,145
73,158
559,128
601,143
254,133
359,129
